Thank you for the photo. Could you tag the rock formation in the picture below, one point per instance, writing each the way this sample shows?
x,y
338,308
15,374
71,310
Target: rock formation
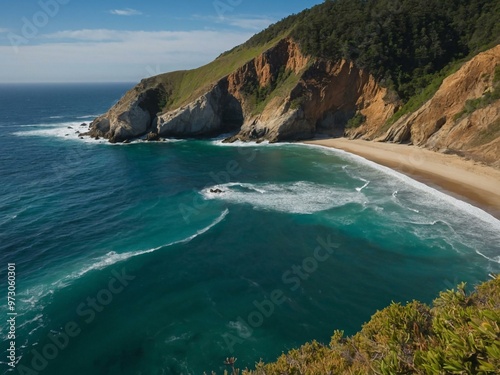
x,y
303,96
282,95
131,116
445,124
215,112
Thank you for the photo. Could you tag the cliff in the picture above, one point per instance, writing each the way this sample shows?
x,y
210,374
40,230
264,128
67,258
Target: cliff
x,y
463,117
309,76
281,94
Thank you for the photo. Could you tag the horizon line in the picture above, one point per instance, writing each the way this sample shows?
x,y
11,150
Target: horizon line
x,y
68,83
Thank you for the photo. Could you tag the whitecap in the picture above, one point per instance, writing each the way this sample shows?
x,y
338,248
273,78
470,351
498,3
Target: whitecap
x,y
37,319
220,142
495,259
440,196
362,187
240,328
298,197
173,338
88,116
7,219
144,140
113,257
66,130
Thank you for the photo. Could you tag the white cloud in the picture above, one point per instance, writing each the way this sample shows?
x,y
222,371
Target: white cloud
x,y
112,55
246,22
125,12
88,35
256,23
3,30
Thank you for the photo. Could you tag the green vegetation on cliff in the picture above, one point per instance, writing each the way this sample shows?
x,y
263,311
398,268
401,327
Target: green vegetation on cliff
x,y
410,46
260,96
405,44
401,42
185,86
460,334
486,99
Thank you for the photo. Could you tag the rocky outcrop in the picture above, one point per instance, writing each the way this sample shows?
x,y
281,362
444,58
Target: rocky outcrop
x,y
277,120
215,112
132,116
276,123
448,123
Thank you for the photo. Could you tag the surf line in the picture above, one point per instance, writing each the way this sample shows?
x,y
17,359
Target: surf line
x,y
112,258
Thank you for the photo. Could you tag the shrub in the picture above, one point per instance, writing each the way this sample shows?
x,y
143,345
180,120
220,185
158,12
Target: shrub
x,y
460,334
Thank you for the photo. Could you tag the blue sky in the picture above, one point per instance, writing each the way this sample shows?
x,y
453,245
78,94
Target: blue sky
x,y
124,41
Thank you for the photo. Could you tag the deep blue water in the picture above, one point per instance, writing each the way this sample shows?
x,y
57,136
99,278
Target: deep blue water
x,y
124,249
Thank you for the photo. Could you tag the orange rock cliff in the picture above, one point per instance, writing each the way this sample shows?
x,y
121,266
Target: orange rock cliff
x,y
284,95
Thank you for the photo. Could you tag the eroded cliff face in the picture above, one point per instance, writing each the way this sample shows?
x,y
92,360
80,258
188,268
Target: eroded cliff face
x,y
279,95
322,100
215,112
336,92
132,116
448,123
284,95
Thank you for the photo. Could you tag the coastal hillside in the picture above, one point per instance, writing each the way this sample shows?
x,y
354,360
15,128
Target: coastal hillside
x,y
462,117
409,71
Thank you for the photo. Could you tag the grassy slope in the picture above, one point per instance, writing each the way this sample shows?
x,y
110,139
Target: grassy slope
x,y
188,85
314,30
279,91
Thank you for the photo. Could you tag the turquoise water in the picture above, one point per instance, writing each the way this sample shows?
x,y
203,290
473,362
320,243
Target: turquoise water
x,y
127,252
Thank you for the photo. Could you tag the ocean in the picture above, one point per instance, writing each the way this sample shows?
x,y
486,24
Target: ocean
x,y
168,257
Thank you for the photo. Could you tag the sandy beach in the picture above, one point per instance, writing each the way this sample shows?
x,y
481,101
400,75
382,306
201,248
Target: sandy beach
x,y
464,179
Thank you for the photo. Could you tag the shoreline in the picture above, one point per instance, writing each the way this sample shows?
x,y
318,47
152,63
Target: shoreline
x,y
469,181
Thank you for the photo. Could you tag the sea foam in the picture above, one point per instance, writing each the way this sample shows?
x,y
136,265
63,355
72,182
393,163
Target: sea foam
x,y
444,198
298,197
68,131
447,209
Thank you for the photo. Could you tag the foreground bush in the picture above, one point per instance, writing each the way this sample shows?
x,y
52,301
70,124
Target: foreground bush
x,y
460,334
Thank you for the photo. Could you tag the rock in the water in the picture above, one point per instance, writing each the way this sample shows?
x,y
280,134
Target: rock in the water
x,y
216,191
152,136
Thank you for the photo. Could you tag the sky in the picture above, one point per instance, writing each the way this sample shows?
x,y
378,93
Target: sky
x,y
125,40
